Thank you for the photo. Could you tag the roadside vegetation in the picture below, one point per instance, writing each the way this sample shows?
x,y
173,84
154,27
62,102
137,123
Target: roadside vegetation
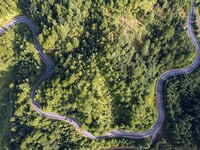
x,y
182,103
107,55
5,108
197,19
15,50
6,61
8,10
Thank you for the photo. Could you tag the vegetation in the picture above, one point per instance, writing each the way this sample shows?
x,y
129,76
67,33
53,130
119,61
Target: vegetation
x,y
8,10
6,60
5,108
100,63
181,129
197,19
107,55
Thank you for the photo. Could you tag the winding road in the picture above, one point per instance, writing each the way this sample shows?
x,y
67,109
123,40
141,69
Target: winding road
x,y
153,132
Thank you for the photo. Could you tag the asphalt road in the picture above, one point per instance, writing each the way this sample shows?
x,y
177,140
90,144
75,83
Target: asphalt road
x,y
153,132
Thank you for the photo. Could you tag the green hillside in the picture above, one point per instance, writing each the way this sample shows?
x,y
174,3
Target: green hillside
x,y
107,58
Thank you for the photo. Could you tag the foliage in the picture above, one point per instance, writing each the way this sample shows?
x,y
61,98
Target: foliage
x,y
6,60
107,55
8,10
181,129
197,21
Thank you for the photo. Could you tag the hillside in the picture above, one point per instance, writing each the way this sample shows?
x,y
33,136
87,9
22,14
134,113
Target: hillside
x,y
108,56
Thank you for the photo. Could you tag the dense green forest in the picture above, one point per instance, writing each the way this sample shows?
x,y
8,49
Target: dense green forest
x,y
109,62
107,55
182,103
6,60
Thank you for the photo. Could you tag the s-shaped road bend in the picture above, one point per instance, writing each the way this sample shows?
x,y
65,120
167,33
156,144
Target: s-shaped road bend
x,y
153,132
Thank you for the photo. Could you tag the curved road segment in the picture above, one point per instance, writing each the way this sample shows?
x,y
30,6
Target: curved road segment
x,y
153,132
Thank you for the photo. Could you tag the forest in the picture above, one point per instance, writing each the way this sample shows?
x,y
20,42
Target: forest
x,y
181,128
107,58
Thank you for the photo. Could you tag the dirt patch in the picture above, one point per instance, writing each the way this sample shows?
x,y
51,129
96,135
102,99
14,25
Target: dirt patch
x,y
182,13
